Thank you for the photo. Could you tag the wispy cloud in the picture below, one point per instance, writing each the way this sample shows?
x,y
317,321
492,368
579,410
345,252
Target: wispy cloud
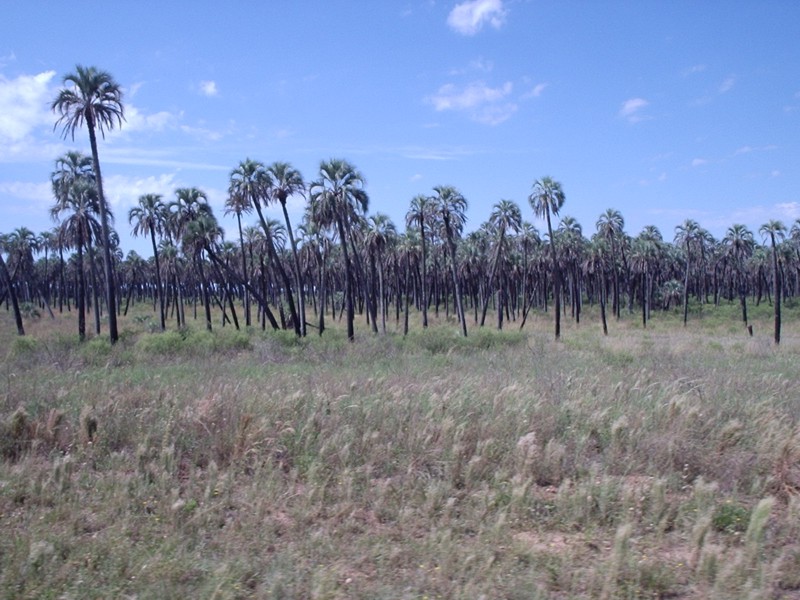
x,y
209,88
479,65
468,18
135,120
536,91
24,105
750,149
699,162
693,70
632,109
123,191
727,85
41,193
485,104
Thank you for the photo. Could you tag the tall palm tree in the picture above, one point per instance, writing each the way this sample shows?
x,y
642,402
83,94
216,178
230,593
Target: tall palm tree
x,y
251,182
201,234
775,230
238,204
340,198
546,199
95,99
451,207
149,218
689,234
77,230
739,245
611,227
286,181
420,215
505,216
380,234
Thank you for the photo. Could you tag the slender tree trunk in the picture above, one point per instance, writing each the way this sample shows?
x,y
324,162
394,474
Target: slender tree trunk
x,y
297,272
81,297
776,284
456,287
424,277
95,295
556,280
348,280
111,300
12,295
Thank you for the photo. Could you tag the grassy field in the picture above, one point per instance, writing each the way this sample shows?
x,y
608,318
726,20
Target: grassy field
x,y
657,463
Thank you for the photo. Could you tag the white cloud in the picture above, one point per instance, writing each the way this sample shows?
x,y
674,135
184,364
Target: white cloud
x,y
208,135
209,88
25,190
7,58
135,120
727,85
631,109
789,210
480,65
699,162
24,105
123,192
468,18
484,104
416,177
450,97
693,69
775,173
536,91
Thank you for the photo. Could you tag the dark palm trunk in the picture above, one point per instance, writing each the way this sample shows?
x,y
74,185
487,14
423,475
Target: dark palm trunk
x,y
776,285
297,272
686,287
95,295
456,287
348,280
81,296
556,279
111,300
12,295
159,287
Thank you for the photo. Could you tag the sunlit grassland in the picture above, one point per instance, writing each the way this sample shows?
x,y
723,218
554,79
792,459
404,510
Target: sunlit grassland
x,y
658,462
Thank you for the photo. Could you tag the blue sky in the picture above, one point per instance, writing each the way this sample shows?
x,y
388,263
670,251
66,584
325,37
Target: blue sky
x,y
662,110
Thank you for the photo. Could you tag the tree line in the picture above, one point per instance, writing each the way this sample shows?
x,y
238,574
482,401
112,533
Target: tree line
x,y
340,260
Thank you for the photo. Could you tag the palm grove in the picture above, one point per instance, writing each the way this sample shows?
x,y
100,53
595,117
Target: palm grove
x,y
340,261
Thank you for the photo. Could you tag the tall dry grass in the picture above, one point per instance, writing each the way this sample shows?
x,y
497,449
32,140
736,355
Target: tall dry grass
x,y
657,463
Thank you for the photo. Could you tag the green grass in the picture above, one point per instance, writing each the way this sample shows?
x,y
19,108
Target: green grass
x,y
650,463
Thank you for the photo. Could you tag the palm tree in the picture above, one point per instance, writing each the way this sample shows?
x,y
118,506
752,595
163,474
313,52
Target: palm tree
x,y
594,266
94,98
339,198
380,234
739,243
149,217
547,198
505,216
286,181
238,205
420,215
202,233
689,234
251,183
451,207
775,230
610,226
77,230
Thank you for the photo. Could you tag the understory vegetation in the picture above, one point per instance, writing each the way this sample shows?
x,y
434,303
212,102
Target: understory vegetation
x,y
649,463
